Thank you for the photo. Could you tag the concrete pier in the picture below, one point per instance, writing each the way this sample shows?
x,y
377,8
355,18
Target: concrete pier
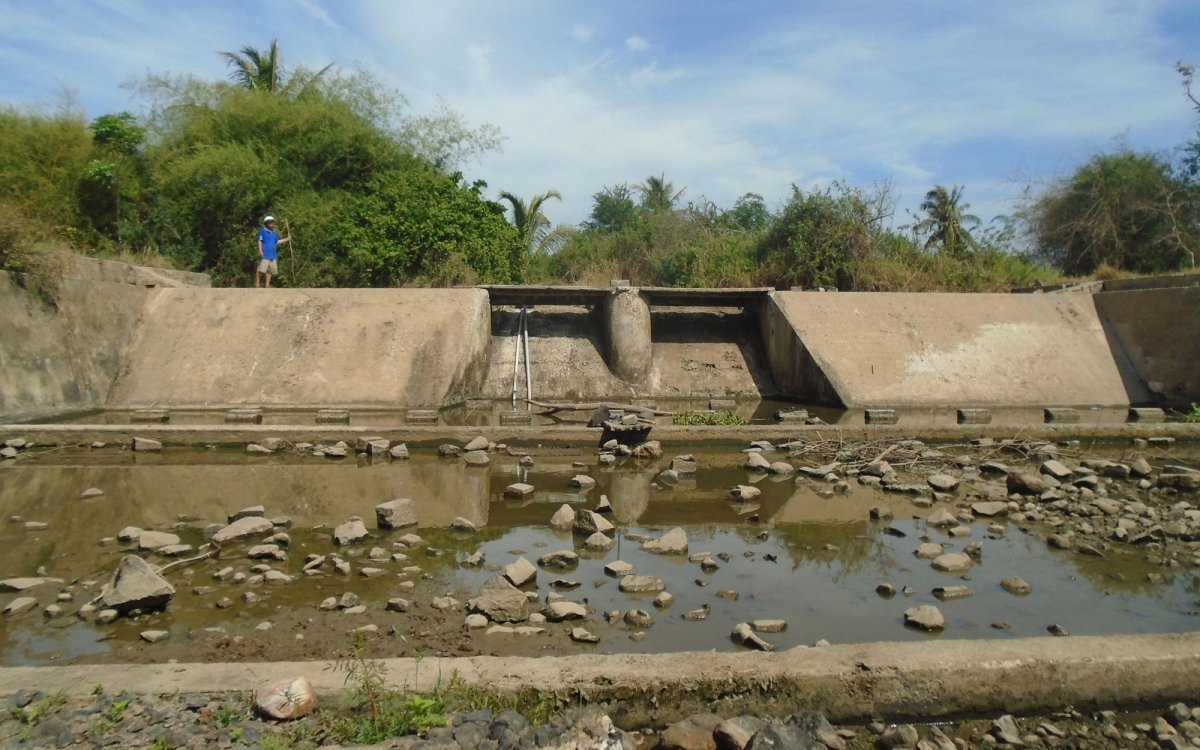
x,y
627,335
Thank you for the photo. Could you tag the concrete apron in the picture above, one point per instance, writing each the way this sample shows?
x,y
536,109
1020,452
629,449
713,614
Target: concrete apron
x,y
848,683
191,435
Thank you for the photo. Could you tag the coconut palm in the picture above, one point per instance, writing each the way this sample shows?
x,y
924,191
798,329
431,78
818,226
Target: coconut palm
x,y
532,225
658,194
947,225
262,70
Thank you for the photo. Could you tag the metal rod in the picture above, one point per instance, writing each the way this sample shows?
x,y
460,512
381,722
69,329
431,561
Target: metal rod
x,y
517,356
528,373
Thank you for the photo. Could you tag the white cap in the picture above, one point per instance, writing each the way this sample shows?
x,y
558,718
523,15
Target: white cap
x,y
268,219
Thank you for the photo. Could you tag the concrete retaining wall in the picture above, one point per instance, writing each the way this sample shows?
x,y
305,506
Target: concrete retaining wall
x,y
912,350
415,347
1159,333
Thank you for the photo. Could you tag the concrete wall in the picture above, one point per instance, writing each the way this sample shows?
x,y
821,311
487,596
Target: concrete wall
x,y
62,354
910,350
381,347
1159,333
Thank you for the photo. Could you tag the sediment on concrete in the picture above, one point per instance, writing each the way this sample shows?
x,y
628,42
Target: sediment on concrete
x,y
847,683
564,436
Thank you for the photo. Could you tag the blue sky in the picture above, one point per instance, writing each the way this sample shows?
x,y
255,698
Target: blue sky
x,y
723,97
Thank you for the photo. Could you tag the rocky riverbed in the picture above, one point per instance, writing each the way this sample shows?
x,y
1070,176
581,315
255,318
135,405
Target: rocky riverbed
x,y
505,550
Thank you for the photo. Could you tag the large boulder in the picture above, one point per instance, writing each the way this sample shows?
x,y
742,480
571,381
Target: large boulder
x,y
350,532
1025,484
286,699
396,514
500,601
589,522
521,572
242,528
693,733
137,585
674,542
563,518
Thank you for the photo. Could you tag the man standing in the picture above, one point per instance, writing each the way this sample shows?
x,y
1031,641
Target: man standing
x,y
268,251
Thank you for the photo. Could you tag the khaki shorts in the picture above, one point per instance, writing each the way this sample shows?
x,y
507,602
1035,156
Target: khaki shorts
x,y
268,266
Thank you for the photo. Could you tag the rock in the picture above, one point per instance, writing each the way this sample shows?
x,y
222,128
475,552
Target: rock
x,y
756,462
520,572
477,458
242,528
639,618
674,542
441,603
24,584
519,490
603,506
696,615
463,524
174,550
632,584
129,534
949,593
286,699
399,451
743,635
106,616
372,572
581,635
19,605
1140,467
782,468
559,611
1180,482
1016,585
696,732
942,482
926,617
154,636
397,604
900,736
266,551
589,522
563,518
743,493
479,443
990,508
36,526
560,559
91,493
880,512
583,481
396,514
664,600
137,585
143,445
1056,469
768,626
152,540
953,562
736,733
501,601
256,448
1025,484
783,737
618,568
598,542
941,517
929,551
649,449
350,532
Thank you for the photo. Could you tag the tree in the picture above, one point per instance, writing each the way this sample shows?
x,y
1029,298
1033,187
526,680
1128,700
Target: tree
x,y
533,228
613,209
1126,210
658,194
262,70
947,225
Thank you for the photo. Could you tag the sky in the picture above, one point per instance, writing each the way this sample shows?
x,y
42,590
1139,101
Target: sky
x,y
723,98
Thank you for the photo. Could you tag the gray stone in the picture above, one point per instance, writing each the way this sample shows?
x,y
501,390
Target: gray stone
x,y
941,517
1016,585
399,451
501,601
143,445
477,458
926,617
24,584
479,443
519,490
598,542
942,482
736,733
949,593
696,732
990,508
674,542
1056,469
929,551
583,482
639,618
350,532
559,611
463,524
563,518
1025,484
756,462
632,584
744,493
768,626
242,528
618,568
19,605
589,522
744,635
900,736
154,636
783,737
560,559
520,572
582,635
396,514
953,562
137,585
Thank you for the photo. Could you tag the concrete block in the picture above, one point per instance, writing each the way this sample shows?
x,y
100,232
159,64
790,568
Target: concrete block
x,y
244,416
881,416
333,416
974,416
645,403
796,416
722,404
150,416
516,417
1061,415
1146,414
421,416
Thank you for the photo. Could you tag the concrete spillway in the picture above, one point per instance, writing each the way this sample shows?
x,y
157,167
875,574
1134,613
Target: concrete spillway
x,y
132,339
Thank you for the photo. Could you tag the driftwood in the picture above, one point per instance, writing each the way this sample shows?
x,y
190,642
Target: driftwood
x,y
553,408
197,558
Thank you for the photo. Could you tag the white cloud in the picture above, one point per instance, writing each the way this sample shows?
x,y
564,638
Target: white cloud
x,y
636,44
581,33
318,13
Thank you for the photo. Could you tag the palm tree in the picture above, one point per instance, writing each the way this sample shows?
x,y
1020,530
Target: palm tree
x,y
262,70
532,225
657,193
947,224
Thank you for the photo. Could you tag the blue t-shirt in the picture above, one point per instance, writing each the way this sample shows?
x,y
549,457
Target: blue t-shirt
x,y
269,239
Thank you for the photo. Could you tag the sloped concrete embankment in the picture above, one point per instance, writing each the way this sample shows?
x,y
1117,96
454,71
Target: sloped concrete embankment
x,y
378,347
1158,331
919,350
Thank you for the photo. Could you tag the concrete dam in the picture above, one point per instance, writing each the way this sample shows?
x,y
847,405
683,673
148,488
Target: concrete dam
x,y
121,338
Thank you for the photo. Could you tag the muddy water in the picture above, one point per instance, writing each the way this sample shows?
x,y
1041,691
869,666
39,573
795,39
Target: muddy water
x,y
811,560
